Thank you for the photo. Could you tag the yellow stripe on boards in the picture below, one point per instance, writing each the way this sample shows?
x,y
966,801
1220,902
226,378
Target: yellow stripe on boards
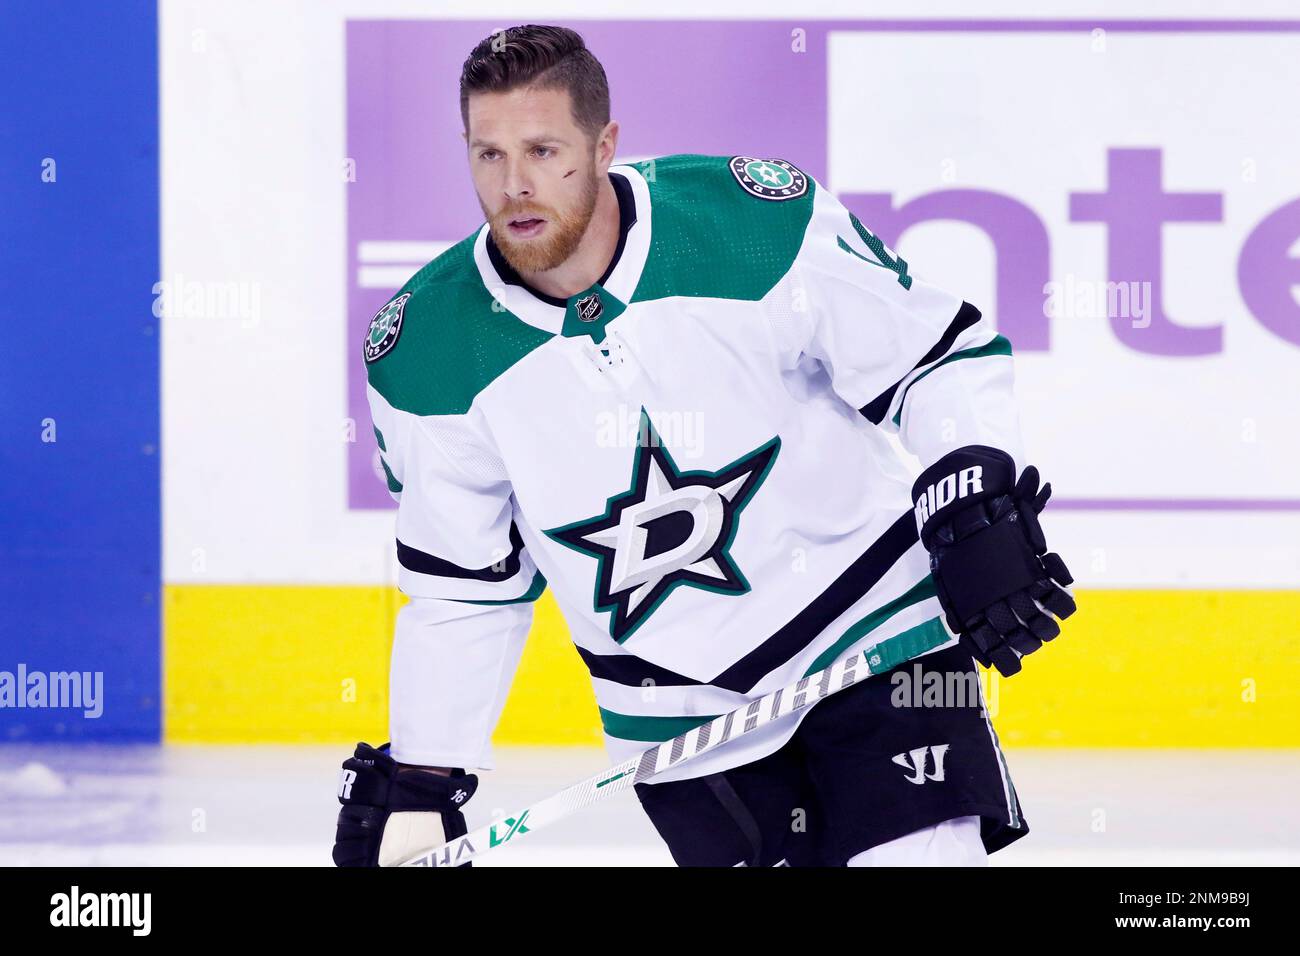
x,y
309,664
551,700
1161,669
288,664
276,664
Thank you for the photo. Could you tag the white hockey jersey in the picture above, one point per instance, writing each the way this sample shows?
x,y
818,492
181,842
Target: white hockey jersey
x,y
692,454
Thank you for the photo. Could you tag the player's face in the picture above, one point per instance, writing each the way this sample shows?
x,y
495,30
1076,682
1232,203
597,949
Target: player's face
x,y
535,174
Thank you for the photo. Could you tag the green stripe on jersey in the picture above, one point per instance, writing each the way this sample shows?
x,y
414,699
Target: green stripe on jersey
x,y
905,645
995,346
394,485
649,729
888,653
534,591
919,592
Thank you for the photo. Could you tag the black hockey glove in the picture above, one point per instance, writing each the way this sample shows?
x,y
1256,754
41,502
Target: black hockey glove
x,y
391,812
991,568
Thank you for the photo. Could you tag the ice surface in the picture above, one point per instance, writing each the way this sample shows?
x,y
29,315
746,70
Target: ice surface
x,y
220,805
32,780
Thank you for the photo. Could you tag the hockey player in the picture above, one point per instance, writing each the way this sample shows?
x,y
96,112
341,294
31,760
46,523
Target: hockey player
x,y
664,390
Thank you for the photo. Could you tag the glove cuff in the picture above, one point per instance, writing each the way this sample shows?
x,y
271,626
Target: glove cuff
x,y
958,480
378,780
426,790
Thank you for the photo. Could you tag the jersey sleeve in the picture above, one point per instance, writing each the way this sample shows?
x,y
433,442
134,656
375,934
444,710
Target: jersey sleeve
x,y
909,356
471,581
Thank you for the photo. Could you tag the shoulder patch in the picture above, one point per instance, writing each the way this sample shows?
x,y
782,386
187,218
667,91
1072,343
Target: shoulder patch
x,y
699,215
385,327
455,339
773,179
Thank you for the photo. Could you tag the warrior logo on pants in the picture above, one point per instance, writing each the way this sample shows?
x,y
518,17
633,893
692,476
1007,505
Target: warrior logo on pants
x,y
915,761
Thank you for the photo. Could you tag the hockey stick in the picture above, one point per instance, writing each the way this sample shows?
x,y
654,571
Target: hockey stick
x,y
673,753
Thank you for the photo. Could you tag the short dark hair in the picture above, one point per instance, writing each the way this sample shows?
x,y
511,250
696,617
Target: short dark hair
x,y
542,56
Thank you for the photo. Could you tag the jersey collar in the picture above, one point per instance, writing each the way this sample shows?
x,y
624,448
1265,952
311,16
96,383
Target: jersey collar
x,y
619,281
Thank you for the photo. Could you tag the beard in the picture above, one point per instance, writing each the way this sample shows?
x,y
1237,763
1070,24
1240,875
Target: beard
x,y
563,233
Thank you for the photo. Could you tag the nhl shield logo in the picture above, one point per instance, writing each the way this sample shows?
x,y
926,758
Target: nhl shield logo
x,y
589,308
773,179
384,329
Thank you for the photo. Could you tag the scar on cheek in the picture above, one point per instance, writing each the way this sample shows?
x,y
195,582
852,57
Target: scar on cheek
x,y
568,174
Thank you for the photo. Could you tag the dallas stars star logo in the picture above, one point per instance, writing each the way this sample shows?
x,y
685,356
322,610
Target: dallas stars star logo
x,y
670,528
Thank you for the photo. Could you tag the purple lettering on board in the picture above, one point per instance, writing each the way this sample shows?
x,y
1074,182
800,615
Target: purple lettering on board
x,y
1268,274
1135,208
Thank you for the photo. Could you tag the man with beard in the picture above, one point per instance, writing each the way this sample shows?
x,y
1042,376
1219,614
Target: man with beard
x,y
663,389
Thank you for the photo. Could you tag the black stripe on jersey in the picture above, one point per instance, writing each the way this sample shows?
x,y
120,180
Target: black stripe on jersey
x,y
798,633
415,560
804,627
876,409
632,671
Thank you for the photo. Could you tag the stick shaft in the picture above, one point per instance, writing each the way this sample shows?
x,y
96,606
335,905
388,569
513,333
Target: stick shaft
x,y
671,753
